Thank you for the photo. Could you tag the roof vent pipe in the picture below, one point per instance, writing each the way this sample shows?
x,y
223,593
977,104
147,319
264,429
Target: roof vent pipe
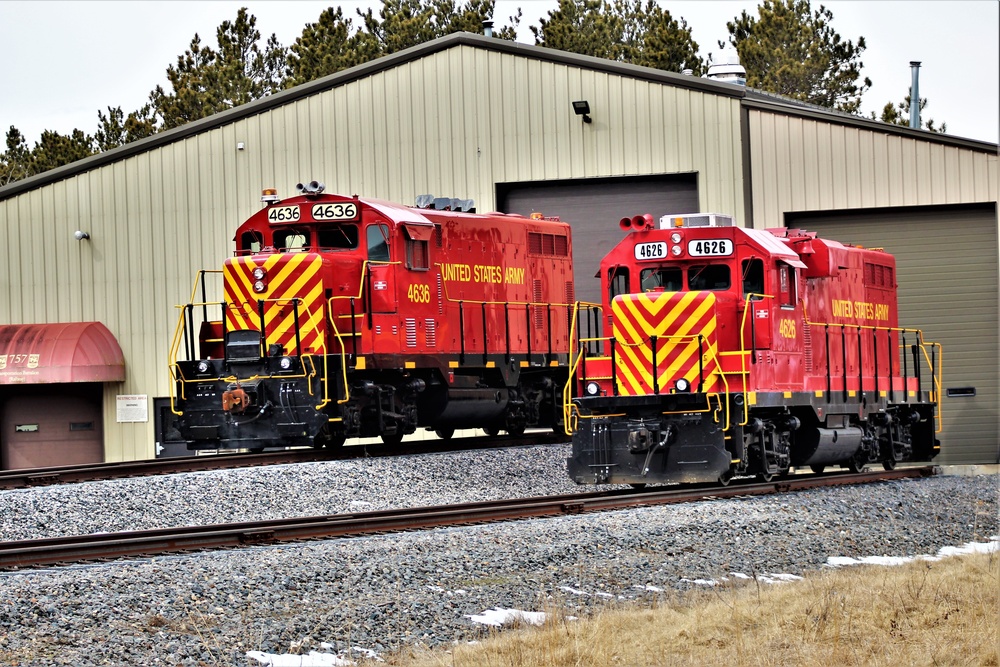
x,y
488,28
915,95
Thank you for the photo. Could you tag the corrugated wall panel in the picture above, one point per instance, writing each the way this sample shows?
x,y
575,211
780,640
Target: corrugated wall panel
x,y
802,164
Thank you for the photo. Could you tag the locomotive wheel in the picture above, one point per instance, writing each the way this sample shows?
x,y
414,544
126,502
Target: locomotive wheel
x,y
857,463
392,439
444,433
491,431
765,476
336,440
889,464
515,429
818,469
725,478
638,486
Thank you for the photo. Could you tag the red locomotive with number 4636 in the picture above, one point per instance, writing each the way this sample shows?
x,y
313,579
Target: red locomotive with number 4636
x,y
730,351
343,316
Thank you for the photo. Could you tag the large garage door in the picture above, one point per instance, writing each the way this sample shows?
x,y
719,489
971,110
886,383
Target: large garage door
x,y
947,275
593,208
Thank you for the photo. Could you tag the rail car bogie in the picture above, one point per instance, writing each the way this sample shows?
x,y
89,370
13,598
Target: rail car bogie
x,y
732,351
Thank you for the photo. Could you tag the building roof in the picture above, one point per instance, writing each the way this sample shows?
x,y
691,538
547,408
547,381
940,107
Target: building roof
x,y
750,98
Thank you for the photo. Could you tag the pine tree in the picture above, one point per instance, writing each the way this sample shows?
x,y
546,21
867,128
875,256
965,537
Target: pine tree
x,y
792,50
626,31
206,81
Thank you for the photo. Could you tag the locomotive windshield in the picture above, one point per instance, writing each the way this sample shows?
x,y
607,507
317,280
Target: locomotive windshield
x,y
714,277
662,278
339,237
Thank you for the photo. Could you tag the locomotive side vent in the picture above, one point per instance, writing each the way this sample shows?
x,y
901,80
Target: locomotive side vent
x,y
430,332
548,244
440,295
807,342
536,297
411,332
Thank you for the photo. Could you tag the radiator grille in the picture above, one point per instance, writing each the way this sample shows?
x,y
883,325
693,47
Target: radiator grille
x,y
430,331
411,332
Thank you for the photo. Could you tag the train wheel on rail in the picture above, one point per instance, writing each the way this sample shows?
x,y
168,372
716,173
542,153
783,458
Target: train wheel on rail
x,y
765,476
857,462
516,429
889,464
444,433
492,431
393,438
818,469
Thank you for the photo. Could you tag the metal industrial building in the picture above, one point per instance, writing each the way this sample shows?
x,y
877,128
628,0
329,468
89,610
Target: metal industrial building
x,y
86,318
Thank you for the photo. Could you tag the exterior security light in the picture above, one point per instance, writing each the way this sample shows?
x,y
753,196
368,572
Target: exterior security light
x,y
582,108
285,363
682,386
593,389
80,235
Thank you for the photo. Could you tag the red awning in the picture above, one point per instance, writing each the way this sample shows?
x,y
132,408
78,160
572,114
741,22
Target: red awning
x,y
61,352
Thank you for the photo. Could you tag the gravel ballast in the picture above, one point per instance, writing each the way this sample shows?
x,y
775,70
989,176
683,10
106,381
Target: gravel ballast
x,y
381,593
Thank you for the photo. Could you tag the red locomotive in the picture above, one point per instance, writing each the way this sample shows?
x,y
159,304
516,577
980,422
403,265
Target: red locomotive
x,y
345,316
738,351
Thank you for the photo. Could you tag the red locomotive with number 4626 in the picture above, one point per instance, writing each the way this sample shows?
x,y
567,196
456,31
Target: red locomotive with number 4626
x,y
730,351
343,316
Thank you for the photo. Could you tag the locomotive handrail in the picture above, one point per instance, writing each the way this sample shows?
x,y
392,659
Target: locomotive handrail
x,y
745,372
569,407
936,368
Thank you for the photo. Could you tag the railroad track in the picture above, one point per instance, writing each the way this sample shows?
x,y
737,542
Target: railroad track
x,y
33,477
104,546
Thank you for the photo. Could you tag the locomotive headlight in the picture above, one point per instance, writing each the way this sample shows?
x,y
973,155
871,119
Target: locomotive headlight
x,y
259,273
682,386
676,250
593,389
675,237
259,286
285,363
203,366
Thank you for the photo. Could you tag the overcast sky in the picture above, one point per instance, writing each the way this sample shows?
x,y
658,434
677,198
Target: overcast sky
x,y
62,61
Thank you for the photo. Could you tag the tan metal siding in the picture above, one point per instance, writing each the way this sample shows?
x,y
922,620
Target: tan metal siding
x,y
952,297
803,164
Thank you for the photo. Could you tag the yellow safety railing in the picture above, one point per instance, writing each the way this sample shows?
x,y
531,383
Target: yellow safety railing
x,y
571,413
937,369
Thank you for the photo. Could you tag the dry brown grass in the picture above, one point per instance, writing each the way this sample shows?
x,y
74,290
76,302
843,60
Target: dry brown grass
x,y
926,613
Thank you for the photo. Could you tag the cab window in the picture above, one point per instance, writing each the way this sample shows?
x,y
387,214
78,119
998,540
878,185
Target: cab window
x,y
713,277
786,285
378,243
291,240
617,282
251,242
338,237
752,271
662,279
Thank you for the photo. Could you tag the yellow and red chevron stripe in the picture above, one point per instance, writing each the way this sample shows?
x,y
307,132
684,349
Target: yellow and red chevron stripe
x,y
676,319
288,276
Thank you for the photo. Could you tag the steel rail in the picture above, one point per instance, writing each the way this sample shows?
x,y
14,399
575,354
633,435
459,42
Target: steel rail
x,y
71,474
103,546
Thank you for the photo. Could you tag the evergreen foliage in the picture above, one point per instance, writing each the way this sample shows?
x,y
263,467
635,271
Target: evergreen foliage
x,y
792,50
623,30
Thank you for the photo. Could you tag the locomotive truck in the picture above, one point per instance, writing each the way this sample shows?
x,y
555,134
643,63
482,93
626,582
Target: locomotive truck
x,y
731,351
346,317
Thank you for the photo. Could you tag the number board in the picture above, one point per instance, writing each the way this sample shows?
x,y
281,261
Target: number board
x,y
283,214
710,248
644,251
337,211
